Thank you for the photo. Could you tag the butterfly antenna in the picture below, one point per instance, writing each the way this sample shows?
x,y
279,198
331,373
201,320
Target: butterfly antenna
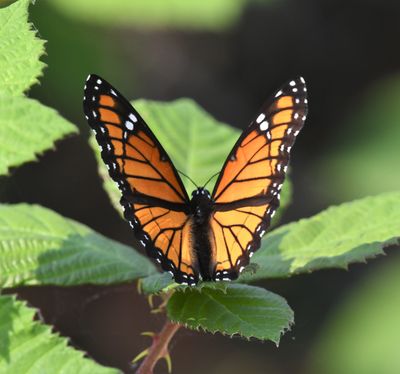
x,y
188,178
211,178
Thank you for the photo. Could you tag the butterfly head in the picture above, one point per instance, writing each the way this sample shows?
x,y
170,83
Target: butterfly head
x,y
201,203
201,192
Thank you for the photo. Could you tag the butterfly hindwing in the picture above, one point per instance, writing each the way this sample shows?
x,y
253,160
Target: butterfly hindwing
x,y
247,191
154,199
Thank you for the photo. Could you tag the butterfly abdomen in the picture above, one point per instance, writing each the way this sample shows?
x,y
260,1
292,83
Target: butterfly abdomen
x,y
201,209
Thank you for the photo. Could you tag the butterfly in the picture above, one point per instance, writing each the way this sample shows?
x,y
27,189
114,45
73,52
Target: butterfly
x,y
210,236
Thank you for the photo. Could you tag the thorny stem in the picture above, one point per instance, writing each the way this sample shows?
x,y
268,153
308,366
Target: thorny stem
x,y
159,347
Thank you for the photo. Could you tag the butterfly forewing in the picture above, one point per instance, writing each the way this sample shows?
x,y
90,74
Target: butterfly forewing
x,y
247,191
154,199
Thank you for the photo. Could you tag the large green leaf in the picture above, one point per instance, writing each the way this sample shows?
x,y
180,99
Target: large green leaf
x,y
27,128
197,143
341,235
27,346
350,232
241,309
38,246
367,151
362,335
19,50
205,14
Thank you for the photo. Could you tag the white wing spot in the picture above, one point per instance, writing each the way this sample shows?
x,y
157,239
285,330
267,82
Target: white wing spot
x,y
132,117
297,101
94,114
279,93
302,80
289,130
294,89
268,135
305,101
292,83
129,125
305,89
113,92
264,126
99,81
296,115
303,118
96,87
260,118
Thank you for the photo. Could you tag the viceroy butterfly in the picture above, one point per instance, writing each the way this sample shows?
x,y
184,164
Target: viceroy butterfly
x,y
210,236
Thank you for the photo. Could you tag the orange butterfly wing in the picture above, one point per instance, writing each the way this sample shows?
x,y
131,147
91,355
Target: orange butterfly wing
x,y
154,199
247,191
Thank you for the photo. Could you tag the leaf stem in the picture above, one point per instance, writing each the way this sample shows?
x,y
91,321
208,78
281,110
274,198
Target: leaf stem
x,y
159,348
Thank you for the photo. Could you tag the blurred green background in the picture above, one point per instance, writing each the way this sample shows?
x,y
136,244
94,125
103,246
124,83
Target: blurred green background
x,y
229,55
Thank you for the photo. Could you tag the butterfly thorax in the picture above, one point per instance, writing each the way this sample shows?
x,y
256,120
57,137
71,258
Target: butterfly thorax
x,y
201,207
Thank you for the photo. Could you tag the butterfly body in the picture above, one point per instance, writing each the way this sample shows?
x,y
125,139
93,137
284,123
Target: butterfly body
x,y
210,236
201,208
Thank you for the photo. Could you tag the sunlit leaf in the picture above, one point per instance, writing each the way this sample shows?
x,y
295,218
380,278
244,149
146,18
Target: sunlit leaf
x,y
38,246
244,310
347,233
27,129
20,50
28,346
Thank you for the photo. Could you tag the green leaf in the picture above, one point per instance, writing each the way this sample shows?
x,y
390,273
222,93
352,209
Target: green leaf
x,y
28,346
156,283
197,143
347,233
205,14
38,246
367,152
27,128
362,335
19,50
244,310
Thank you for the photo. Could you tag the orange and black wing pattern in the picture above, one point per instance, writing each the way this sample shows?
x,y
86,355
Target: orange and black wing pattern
x,y
154,199
247,191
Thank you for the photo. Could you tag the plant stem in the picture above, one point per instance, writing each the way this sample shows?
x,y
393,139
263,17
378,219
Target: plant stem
x,y
159,347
